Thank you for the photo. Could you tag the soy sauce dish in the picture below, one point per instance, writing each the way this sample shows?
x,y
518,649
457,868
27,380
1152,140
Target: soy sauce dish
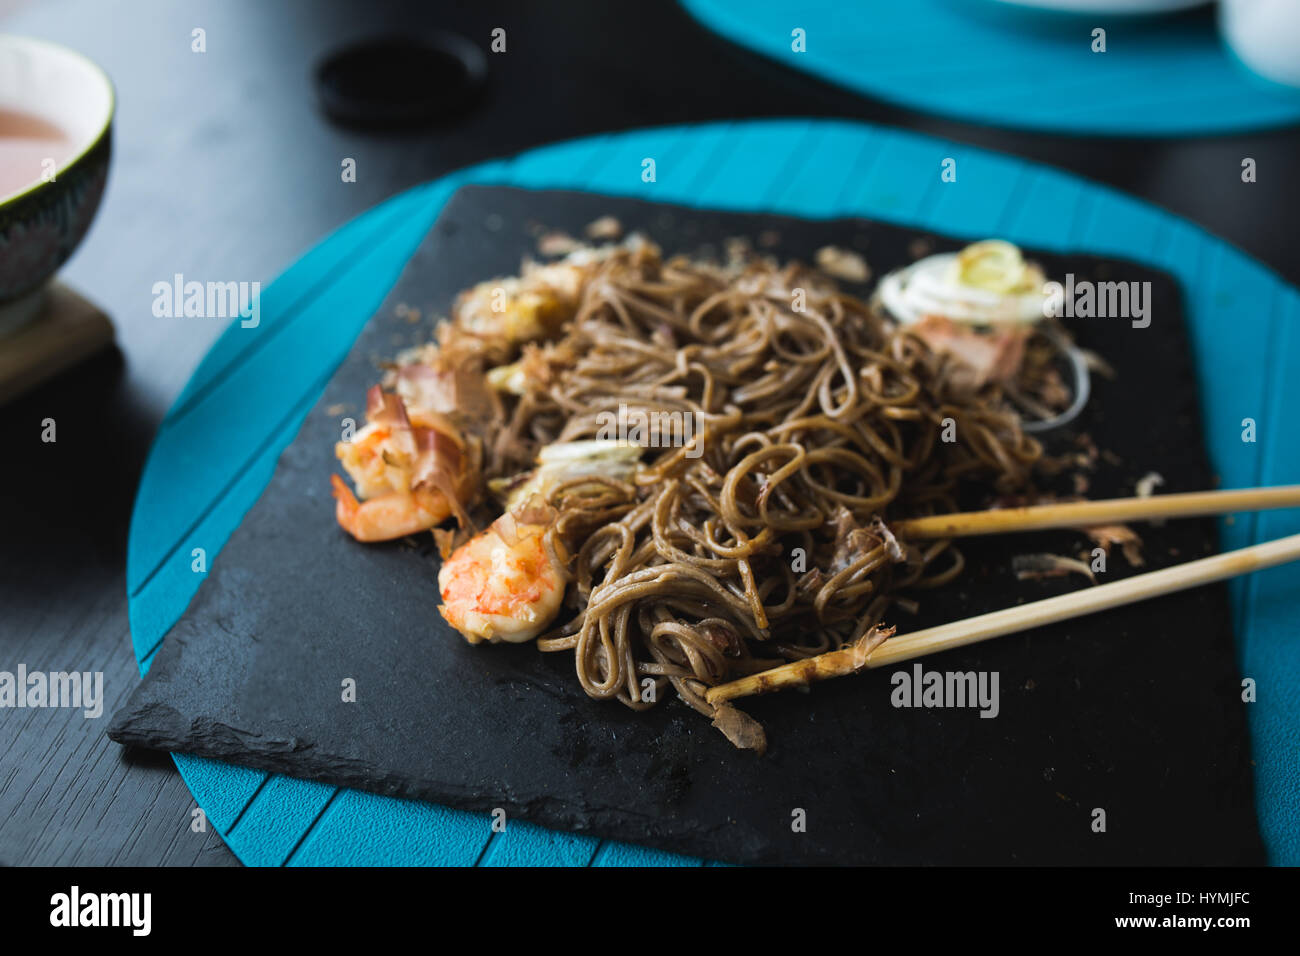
x,y
56,117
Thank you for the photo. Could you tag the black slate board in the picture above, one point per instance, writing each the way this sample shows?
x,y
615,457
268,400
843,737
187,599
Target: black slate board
x,y
1136,711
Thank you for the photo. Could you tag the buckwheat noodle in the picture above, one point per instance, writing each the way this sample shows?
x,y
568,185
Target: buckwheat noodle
x,y
761,543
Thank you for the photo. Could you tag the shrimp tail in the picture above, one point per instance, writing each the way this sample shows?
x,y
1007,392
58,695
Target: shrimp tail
x,y
347,507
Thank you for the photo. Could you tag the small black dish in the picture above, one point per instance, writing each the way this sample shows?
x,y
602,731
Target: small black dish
x,y
394,81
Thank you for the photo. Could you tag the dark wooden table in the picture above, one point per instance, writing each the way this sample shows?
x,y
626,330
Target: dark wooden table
x,y
225,168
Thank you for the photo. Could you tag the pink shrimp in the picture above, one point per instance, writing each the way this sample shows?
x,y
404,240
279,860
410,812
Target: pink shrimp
x,y
504,584
411,472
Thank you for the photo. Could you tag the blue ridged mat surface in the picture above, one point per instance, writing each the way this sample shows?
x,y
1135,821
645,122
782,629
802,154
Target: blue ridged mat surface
x,y
218,446
985,62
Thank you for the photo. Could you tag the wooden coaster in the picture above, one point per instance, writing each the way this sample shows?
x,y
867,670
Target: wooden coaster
x,y
69,329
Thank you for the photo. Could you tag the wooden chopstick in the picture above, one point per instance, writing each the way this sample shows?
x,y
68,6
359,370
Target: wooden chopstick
x,y
872,653
1072,514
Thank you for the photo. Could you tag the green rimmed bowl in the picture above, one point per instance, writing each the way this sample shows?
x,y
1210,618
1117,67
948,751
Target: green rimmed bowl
x,y
43,222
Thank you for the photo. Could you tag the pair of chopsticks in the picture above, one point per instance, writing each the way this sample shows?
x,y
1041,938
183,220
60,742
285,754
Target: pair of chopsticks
x,y
870,652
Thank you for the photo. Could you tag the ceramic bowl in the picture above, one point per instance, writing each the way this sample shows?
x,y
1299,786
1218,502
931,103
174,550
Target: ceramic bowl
x,y
42,222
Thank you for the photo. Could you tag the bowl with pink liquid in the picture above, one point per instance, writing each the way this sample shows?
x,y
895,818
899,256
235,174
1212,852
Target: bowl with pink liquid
x,y
56,119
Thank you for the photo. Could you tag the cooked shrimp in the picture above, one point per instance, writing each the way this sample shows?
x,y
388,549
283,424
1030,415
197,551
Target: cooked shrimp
x,y
504,584
388,516
411,470
512,311
534,305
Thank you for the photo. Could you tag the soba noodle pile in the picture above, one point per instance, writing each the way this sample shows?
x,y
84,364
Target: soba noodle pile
x,y
815,419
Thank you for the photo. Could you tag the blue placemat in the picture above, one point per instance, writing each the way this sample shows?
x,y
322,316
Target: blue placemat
x,y
984,62
217,448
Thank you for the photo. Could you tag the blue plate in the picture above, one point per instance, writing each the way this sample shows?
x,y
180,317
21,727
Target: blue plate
x,y
1006,65
217,448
